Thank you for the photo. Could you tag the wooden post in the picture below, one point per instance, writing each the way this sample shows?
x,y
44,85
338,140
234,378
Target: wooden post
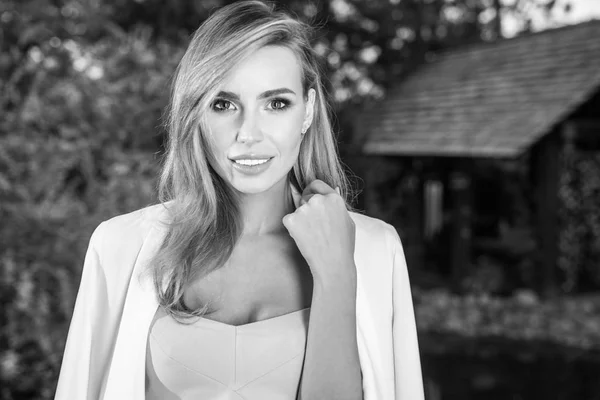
x,y
546,164
460,191
416,217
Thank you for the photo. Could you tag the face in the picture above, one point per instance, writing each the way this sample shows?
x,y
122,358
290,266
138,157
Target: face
x,y
257,118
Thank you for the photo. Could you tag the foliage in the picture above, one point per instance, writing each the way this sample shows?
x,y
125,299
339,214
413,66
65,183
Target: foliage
x,y
81,124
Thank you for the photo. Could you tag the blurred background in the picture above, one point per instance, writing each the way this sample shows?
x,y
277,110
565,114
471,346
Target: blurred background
x,y
473,127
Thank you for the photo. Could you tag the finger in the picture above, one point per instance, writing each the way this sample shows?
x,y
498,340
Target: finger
x,y
337,189
305,199
317,187
287,221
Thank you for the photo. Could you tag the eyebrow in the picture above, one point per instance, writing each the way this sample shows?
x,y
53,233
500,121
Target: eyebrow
x,y
263,95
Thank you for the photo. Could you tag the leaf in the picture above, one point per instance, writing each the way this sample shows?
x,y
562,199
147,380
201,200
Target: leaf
x,y
34,34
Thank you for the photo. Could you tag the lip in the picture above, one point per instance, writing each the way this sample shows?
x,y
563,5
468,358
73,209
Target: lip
x,y
251,169
251,157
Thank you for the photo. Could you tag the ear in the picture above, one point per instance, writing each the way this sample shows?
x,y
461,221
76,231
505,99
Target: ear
x,y
310,109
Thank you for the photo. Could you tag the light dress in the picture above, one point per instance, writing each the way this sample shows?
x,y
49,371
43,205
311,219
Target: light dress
x,y
212,360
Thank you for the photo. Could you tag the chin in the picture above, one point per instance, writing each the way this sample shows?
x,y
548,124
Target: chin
x,y
257,184
252,186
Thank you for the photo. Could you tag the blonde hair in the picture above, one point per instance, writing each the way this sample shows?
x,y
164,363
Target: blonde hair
x,y
204,219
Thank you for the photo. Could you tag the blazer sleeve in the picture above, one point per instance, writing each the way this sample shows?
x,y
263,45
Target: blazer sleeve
x,y
81,370
407,363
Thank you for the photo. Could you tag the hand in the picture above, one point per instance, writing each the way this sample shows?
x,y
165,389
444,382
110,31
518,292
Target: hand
x,y
323,231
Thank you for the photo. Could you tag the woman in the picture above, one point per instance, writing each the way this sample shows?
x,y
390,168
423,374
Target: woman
x,y
251,279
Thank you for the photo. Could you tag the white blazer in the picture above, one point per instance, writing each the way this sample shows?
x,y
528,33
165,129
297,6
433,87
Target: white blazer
x,y
105,352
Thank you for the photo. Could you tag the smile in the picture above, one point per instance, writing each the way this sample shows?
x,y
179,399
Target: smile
x,y
252,166
252,162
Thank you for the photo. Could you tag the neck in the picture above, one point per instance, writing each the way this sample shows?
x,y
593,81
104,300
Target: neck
x,y
262,213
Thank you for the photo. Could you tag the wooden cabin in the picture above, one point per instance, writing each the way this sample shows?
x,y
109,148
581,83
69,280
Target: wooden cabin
x,y
519,101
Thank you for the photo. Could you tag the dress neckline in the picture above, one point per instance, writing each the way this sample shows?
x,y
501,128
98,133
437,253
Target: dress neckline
x,y
265,321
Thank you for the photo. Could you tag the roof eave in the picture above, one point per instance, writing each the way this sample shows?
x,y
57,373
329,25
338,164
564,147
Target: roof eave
x,y
388,149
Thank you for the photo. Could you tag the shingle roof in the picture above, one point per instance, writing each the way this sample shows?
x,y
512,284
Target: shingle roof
x,y
489,99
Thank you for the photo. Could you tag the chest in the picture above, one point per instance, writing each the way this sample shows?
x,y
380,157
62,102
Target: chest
x,y
264,277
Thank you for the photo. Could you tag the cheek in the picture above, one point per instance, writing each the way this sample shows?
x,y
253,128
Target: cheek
x,y
286,136
221,135
285,130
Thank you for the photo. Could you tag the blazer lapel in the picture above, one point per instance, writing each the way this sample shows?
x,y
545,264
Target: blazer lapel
x,y
126,379
369,351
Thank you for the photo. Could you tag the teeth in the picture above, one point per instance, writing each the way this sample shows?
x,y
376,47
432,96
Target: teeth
x,y
251,162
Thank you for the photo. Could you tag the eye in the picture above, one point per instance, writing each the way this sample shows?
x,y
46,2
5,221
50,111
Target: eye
x,y
279,104
221,105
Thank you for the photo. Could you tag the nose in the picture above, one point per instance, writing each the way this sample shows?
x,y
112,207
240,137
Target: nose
x,y
249,130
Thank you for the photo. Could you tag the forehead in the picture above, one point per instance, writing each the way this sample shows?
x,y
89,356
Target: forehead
x,y
268,68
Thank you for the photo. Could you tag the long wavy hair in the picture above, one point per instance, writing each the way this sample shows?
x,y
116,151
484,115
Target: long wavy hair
x,y
204,221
